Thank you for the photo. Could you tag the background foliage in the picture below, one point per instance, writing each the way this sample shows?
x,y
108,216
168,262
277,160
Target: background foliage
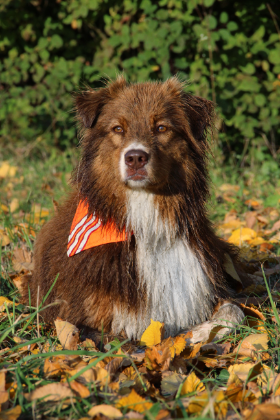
x,y
229,50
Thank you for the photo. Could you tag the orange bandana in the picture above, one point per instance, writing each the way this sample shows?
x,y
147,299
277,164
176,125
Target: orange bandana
x,y
87,232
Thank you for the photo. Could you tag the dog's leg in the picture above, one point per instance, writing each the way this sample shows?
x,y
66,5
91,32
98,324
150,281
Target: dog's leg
x,y
223,321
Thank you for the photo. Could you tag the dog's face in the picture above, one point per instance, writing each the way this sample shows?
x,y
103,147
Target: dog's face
x,y
144,136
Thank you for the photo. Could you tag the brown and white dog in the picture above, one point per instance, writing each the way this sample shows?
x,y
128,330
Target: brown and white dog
x,y
142,184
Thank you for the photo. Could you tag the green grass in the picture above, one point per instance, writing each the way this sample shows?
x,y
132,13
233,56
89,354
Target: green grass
x,y
40,181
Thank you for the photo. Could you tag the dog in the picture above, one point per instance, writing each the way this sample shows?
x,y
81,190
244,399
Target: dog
x,y
133,241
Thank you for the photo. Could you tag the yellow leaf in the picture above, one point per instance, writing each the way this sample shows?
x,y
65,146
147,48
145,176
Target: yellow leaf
x,y
179,345
11,414
4,396
153,334
4,300
191,384
7,170
14,205
217,399
257,241
240,235
245,371
133,401
106,410
259,341
5,208
4,239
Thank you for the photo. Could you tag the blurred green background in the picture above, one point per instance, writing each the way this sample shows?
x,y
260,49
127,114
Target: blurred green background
x,y
228,50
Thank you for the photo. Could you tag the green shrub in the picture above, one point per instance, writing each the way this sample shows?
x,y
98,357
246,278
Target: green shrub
x,y
229,51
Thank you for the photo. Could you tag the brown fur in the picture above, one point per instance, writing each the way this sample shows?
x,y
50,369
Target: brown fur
x,y
91,282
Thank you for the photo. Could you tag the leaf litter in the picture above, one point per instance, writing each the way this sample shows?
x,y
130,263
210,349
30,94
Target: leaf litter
x,y
54,372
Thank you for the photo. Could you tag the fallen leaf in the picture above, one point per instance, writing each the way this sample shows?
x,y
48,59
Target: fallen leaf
x,y
241,235
230,269
153,334
51,392
245,371
170,383
80,389
4,396
157,358
263,412
250,219
8,302
7,170
106,410
22,259
256,241
4,239
253,203
217,400
11,414
135,402
229,187
14,205
192,384
259,341
67,333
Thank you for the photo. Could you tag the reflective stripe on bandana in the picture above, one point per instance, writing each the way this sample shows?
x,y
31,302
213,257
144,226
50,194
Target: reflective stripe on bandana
x,y
87,232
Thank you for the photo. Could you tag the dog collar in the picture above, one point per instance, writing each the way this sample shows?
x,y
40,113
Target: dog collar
x,y
89,231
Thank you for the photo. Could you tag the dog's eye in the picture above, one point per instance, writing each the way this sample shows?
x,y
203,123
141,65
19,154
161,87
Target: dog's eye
x,y
118,129
161,128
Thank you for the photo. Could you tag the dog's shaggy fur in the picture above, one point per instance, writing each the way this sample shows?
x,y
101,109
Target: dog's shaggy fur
x,y
171,268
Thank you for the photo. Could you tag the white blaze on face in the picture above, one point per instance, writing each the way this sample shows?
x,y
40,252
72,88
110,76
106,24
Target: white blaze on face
x,y
179,292
123,167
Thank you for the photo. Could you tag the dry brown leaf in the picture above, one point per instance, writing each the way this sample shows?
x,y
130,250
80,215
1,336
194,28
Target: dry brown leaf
x,y
96,374
255,319
263,412
22,259
135,402
250,219
52,392
191,351
68,334
80,389
245,371
106,410
11,414
158,358
258,341
53,367
153,334
276,226
192,384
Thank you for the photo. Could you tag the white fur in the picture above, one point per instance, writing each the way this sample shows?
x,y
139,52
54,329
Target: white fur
x,y
131,183
178,291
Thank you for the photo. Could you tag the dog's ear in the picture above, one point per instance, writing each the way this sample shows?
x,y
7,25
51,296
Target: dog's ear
x,y
200,113
88,105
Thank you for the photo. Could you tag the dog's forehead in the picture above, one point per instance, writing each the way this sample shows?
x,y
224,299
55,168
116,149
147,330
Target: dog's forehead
x,y
149,99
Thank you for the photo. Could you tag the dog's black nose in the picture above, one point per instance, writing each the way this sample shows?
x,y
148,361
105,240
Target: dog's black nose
x,y
136,159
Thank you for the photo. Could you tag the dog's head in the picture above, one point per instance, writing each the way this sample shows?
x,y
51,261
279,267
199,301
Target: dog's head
x,y
148,136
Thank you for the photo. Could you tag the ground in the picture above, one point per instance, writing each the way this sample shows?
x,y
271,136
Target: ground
x,y
51,372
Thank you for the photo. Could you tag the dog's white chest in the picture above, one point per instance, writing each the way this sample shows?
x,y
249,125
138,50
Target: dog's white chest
x,y
178,291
